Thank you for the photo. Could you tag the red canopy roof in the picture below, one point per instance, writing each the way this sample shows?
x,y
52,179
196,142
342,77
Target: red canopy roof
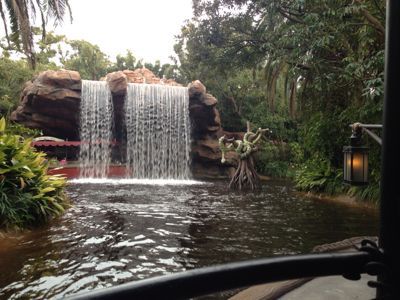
x,y
63,143
56,144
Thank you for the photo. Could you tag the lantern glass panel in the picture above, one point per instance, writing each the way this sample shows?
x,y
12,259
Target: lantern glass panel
x,y
355,165
347,166
358,167
365,156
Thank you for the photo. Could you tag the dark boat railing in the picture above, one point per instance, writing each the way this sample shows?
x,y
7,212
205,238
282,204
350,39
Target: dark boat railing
x,y
383,261
219,278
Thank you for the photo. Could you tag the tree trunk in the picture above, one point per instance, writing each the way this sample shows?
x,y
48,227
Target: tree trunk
x,y
292,99
245,175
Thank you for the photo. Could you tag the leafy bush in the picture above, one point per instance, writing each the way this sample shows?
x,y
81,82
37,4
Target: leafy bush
x,y
275,159
28,196
371,192
21,130
318,176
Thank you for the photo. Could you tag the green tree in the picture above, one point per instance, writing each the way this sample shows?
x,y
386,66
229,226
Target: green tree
x,y
171,71
320,63
129,62
15,72
155,68
18,16
13,75
168,71
124,62
50,47
87,59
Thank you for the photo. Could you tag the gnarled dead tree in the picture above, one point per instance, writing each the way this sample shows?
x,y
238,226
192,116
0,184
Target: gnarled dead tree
x,y
245,175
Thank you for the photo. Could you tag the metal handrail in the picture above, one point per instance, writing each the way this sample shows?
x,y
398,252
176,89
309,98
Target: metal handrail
x,y
358,127
218,278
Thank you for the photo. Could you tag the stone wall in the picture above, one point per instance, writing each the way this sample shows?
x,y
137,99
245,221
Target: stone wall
x,y
50,102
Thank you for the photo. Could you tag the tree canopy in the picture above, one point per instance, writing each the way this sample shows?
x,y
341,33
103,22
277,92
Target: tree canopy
x,y
18,17
307,68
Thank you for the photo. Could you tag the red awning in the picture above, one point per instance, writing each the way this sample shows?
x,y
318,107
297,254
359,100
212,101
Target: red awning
x,y
56,144
63,143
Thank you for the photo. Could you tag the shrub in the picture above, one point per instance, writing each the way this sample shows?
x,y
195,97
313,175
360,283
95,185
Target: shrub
x,y
317,175
371,192
272,160
28,196
278,159
21,130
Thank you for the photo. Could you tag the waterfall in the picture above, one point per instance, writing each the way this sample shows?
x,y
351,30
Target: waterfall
x,y
158,131
95,129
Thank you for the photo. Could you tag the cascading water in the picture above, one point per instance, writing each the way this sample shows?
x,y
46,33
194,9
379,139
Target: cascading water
x,y
95,129
158,131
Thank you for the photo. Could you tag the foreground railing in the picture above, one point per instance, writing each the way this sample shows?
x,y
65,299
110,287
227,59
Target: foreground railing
x,y
213,279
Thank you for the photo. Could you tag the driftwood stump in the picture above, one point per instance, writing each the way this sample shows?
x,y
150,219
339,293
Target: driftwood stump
x,y
245,175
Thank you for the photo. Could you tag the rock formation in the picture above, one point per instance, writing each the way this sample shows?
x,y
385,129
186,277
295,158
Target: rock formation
x,y
206,123
51,101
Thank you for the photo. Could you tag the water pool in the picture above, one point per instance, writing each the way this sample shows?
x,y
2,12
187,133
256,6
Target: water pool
x,y
115,233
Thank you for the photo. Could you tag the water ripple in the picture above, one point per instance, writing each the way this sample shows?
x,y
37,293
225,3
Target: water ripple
x,y
120,233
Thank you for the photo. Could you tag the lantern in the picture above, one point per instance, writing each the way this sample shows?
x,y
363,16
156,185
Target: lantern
x,y
355,168
355,164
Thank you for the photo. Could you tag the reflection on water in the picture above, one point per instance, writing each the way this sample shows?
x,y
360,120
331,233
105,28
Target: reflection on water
x,y
119,233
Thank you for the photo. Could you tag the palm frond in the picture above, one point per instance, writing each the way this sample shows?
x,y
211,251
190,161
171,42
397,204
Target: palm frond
x,y
69,11
21,12
56,9
40,7
3,17
13,19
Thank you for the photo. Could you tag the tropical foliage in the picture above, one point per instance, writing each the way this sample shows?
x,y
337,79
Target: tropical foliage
x,y
303,69
307,68
18,16
87,59
28,196
13,75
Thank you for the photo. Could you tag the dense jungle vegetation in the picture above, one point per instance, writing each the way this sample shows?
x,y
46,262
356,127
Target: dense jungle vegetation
x,y
305,69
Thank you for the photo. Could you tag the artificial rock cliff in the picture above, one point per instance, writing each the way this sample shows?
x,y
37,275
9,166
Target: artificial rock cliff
x,y
50,102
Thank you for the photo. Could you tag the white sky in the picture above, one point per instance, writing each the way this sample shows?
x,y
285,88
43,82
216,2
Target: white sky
x,y
146,27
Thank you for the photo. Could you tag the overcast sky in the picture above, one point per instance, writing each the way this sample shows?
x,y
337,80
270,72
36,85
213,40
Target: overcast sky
x,y
146,27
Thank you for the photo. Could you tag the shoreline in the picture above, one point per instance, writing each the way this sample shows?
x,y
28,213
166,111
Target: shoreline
x,y
340,199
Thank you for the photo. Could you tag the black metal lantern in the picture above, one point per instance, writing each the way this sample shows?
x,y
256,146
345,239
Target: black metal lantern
x,y
355,165
355,168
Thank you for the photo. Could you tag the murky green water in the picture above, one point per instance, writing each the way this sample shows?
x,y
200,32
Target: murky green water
x,y
119,233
